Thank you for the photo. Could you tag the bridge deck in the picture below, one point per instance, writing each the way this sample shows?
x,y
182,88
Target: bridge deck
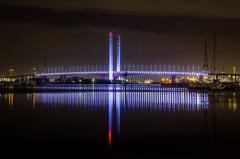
x,y
122,73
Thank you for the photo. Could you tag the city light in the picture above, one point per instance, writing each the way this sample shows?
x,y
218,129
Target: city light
x,y
205,77
34,70
11,70
148,81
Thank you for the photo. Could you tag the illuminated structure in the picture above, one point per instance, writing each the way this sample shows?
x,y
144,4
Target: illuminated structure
x,y
118,53
130,70
110,56
123,72
118,66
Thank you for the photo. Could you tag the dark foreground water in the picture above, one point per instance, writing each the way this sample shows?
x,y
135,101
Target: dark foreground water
x,y
171,123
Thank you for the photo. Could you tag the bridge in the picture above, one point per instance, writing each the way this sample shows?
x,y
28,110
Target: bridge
x,y
123,73
127,70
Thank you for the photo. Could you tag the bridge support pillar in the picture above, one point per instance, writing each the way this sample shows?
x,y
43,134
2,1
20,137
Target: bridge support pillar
x,y
174,77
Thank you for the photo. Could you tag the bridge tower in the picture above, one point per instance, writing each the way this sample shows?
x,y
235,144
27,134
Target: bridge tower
x,y
118,53
110,56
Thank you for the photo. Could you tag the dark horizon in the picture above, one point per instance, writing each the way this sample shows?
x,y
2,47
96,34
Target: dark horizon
x,y
76,33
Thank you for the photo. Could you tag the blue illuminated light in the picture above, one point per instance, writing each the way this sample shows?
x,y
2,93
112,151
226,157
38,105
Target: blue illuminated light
x,y
110,56
118,53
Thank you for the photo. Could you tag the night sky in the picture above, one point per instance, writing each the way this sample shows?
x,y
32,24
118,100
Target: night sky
x,y
75,32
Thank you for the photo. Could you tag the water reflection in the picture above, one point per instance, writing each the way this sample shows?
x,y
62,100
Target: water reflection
x,y
232,102
115,102
128,101
110,117
10,97
118,111
133,121
33,101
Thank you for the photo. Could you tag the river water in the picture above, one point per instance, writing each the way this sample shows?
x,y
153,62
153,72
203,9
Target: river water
x,y
110,124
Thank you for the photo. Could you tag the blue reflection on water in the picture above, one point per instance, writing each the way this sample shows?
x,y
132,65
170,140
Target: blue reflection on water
x,y
110,118
150,101
108,87
118,111
115,102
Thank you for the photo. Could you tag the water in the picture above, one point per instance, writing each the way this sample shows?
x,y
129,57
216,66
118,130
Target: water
x,y
169,123
107,87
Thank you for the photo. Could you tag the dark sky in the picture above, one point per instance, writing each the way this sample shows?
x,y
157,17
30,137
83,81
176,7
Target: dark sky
x,y
75,32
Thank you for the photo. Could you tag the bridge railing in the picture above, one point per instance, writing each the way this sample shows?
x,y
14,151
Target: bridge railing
x,y
96,69
126,68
